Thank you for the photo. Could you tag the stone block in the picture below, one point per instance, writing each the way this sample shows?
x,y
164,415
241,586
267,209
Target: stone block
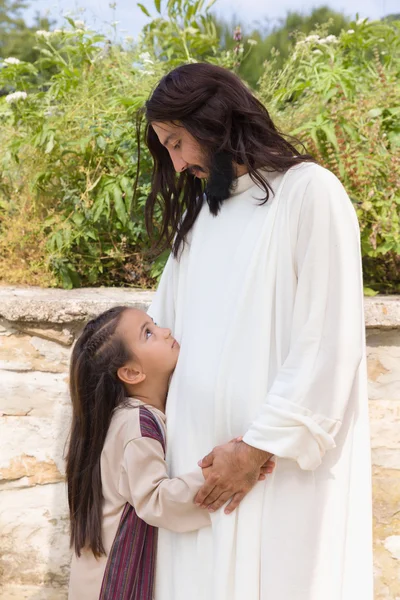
x,y
386,494
51,351
26,353
33,592
35,393
6,328
30,471
62,335
34,536
37,305
385,424
37,329
33,448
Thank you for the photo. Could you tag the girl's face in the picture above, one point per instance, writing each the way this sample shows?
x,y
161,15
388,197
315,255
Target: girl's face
x,y
152,347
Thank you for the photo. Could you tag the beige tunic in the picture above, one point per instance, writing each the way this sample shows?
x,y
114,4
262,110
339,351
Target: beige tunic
x,y
133,470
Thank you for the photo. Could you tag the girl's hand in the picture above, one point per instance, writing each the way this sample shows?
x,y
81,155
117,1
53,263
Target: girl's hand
x,y
265,470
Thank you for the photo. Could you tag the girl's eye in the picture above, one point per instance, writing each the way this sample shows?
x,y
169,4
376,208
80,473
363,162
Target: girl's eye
x,y
177,146
148,333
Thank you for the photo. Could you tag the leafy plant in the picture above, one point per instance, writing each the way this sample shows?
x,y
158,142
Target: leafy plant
x,y
75,173
341,95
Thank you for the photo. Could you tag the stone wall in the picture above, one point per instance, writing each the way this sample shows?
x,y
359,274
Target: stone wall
x,y
37,329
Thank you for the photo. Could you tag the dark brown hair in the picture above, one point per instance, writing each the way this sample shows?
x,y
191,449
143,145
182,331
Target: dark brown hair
x,y
221,113
95,391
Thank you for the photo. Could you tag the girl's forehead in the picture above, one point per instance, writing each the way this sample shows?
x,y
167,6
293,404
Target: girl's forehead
x,y
133,319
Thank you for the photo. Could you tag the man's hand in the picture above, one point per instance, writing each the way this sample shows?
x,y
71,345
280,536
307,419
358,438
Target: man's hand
x,y
234,469
266,469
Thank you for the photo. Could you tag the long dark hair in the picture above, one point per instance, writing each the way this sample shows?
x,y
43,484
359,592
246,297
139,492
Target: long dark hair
x,y
221,113
95,392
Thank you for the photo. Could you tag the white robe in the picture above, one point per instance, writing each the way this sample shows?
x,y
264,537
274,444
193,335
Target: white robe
x,y
267,304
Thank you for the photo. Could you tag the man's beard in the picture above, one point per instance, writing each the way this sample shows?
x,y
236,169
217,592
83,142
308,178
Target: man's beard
x,y
220,180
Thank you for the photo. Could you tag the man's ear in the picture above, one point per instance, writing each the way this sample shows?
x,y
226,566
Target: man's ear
x,y
130,376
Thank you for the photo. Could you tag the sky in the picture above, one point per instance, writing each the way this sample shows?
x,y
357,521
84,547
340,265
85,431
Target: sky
x,y
98,14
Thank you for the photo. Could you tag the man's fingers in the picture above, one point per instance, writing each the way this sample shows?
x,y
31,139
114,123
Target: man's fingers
x,y
234,503
219,502
204,491
207,461
215,494
267,469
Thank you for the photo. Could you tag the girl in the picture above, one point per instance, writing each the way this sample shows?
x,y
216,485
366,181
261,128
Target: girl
x,y
118,486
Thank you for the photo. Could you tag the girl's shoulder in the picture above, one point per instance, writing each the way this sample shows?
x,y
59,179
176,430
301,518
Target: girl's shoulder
x,y
135,419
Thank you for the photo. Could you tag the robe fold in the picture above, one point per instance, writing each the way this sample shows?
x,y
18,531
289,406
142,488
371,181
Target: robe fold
x,y
266,302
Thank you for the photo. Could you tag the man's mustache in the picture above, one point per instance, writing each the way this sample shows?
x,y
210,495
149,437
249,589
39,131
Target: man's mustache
x,y
193,168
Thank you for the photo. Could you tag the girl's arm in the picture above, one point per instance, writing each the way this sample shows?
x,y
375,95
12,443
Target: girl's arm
x,y
157,499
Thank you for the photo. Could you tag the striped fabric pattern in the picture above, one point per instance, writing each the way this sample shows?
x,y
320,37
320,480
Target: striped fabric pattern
x,y
129,574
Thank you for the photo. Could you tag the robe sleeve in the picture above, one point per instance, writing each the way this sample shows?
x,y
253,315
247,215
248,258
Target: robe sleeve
x,y
162,309
304,408
158,500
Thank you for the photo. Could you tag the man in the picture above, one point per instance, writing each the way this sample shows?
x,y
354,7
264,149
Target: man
x,y
264,293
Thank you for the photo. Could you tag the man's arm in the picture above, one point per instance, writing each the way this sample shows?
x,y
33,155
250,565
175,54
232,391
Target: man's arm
x,y
304,408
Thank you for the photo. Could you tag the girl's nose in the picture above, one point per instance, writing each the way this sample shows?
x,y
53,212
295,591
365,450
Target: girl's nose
x,y
167,332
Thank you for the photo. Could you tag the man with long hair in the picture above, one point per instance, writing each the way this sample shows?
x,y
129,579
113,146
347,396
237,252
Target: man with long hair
x,y
263,291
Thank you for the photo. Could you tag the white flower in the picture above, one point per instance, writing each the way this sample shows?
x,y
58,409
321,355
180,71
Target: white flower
x,y
79,24
361,21
312,38
58,31
350,31
43,34
15,97
317,52
148,72
252,42
146,58
11,61
330,39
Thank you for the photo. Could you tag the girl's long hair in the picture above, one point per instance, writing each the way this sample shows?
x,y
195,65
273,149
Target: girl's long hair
x,y
95,392
221,113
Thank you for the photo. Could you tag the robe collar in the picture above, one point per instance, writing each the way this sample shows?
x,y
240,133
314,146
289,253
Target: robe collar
x,y
245,182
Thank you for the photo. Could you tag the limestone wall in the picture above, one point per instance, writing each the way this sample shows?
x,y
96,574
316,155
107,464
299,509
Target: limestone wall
x,y
37,329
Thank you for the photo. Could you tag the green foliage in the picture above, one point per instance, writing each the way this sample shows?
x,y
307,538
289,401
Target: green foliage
x,y
186,33
16,38
72,187
72,154
278,40
341,96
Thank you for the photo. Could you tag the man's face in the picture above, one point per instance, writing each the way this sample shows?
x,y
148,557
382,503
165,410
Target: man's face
x,y
184,150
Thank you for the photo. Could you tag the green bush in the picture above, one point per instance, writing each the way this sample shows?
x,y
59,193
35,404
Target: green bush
x,y
341,96
71,173
75,172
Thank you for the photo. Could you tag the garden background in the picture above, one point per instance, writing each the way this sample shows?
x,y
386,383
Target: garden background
x,y
74,176
74,171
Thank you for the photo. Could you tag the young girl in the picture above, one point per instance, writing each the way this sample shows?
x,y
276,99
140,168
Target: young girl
x,y
118,486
